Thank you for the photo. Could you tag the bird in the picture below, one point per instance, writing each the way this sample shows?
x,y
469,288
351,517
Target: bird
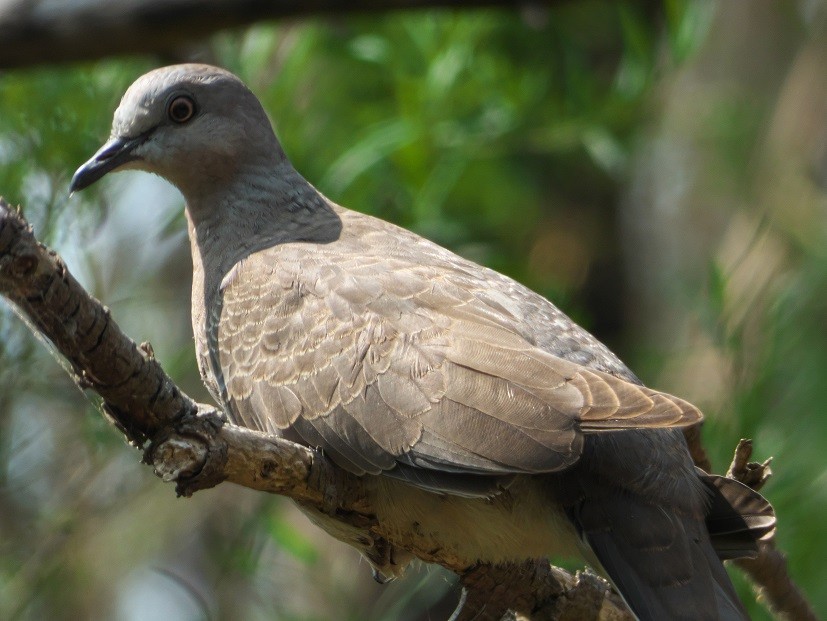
x,y
476,411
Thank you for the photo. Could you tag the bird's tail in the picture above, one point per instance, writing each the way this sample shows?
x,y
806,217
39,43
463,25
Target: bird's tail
x,y
663,564
660,538
738,517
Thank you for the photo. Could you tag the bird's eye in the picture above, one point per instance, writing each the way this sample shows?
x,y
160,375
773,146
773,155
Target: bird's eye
x,y
181,109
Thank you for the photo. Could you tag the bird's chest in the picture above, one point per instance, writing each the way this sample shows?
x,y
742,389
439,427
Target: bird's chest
x,y
205,331
259,340
207,354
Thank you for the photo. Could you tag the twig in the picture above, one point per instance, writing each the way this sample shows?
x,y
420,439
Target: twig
x,y
768,571
37,31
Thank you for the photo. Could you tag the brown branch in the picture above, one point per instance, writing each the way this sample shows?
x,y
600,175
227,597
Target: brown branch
x,y
751,473
194,446
547,592
36,31
768,571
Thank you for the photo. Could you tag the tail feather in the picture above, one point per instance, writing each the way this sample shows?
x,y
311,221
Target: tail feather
x,y
738,517
658,528
667,570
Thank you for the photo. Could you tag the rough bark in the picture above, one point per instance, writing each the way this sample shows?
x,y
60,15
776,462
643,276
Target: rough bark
x,y
194,446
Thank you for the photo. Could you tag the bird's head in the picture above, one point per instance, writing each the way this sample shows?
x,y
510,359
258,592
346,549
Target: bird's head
x,y
194,125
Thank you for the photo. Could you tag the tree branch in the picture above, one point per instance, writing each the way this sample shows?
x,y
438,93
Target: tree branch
x,y
768,571
194,446
37,31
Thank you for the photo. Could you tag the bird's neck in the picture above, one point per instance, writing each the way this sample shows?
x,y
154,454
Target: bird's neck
x,y
260,207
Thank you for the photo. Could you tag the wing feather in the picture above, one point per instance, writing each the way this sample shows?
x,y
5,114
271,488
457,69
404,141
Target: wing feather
x,y
387,363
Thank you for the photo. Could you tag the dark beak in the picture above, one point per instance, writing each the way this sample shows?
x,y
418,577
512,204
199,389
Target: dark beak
x,y
115,153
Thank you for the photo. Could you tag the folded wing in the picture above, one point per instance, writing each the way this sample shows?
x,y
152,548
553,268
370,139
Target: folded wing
x,y
391,369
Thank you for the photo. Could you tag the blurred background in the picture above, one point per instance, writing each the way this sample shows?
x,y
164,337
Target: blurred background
x,y
658,169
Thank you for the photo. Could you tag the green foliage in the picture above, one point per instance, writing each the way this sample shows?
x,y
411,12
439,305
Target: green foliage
x,y
509,138
290,539
445,109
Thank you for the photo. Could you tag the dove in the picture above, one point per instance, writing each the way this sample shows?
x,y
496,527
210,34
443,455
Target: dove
x,y
477,412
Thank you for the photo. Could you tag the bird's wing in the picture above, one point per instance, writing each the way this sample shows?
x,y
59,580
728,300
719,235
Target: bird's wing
x,y
391,366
